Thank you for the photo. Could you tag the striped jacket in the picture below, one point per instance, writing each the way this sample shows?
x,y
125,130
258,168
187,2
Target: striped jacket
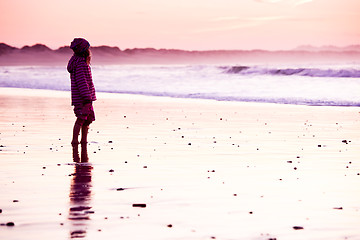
x,y
82,86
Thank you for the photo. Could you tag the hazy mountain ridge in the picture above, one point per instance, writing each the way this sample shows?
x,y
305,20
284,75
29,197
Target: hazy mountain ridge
x,y
43,55
329,48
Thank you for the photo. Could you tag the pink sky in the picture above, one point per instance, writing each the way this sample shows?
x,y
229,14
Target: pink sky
x,y
182,24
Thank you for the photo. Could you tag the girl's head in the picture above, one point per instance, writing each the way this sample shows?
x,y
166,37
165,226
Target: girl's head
x,y
81,47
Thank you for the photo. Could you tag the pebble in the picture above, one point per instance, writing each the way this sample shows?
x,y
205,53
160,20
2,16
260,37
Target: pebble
x,y
10,224
169,225
111,170
338,208
141,205
298,228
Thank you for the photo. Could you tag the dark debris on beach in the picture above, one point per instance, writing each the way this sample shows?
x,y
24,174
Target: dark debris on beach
x,y
140,205
8,224
298,228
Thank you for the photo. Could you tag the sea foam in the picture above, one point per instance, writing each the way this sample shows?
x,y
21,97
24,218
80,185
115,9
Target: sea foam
x,y
309,85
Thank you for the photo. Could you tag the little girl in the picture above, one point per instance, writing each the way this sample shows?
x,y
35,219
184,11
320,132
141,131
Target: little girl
x,y
82,89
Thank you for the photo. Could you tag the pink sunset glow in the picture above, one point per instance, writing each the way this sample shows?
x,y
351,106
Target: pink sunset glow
x,y
187,24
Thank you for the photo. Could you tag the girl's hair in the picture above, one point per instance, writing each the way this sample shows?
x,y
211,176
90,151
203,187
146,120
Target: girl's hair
x,y
86,54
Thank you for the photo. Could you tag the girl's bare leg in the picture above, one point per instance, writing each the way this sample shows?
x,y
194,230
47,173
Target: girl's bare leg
x,y
84,133
76,156
76,131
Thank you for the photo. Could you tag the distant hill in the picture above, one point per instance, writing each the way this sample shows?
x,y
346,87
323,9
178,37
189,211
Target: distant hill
x,y
40,54
6,49
328,48
36,48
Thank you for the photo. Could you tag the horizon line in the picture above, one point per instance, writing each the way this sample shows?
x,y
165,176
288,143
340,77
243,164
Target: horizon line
x,y
194,50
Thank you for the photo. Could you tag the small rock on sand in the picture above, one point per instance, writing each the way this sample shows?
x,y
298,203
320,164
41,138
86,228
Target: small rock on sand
x,y
10,224
298,228
140,205
338,208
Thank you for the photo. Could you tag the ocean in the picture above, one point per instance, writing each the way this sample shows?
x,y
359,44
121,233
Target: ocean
x,y
325,85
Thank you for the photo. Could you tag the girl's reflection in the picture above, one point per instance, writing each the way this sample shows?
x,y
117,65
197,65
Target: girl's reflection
x,y
80,193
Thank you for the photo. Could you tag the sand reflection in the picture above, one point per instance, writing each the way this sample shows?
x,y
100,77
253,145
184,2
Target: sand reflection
x,y
80,193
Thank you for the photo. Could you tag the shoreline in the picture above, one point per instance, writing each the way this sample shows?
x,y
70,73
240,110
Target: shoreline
x,y
204,169
65,93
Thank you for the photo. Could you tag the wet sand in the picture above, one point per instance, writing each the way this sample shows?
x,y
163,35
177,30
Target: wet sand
x,y
162,168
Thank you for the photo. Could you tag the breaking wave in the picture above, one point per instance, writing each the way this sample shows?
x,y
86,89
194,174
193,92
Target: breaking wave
x,y
309,72
313,85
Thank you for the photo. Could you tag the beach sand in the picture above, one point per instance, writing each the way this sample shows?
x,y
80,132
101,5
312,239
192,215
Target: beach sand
x,y
162,168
